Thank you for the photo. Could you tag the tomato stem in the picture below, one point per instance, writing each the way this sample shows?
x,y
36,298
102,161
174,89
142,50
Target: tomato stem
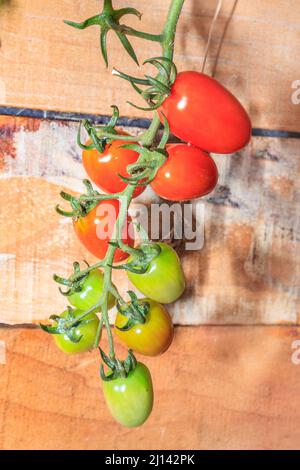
x,y
147,139
99,330
108,261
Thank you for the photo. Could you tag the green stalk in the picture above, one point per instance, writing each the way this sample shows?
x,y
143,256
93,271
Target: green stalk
x,y
170,28
168,40
108,261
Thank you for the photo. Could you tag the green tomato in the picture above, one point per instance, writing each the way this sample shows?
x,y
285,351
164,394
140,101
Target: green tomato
x,y
91,292
87,331
130,399
164,279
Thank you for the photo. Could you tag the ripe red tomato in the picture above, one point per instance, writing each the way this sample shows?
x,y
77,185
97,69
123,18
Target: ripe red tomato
x,y
104,168
96,228
204,113
188,173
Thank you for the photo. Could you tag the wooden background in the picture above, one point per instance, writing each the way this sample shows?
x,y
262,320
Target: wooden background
x,y
245,281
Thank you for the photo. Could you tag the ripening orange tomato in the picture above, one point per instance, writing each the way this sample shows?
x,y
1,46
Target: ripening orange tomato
x,y
96,228
104,168
151,338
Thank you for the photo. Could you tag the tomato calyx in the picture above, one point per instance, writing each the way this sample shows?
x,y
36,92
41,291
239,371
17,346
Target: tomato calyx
x,y
136,311
144,172
117,367
99,135
109,19
75,282
84,204
157,88
141,258
66,325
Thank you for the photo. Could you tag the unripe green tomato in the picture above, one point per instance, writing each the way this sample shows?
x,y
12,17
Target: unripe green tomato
x,y
87,332
130,399
91,292
164,279
151,338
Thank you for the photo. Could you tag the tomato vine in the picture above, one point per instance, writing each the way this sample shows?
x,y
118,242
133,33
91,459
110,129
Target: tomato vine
x,y
158,263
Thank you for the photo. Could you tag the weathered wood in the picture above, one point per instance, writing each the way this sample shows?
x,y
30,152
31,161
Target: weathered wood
x,y
248,271
46,64
234,387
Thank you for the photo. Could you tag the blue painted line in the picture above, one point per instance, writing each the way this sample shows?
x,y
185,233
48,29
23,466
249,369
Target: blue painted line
x,y
64,116
274,133
123,121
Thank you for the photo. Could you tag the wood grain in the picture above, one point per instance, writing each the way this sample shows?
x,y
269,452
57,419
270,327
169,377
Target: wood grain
x,y
48,65
233,387
247,272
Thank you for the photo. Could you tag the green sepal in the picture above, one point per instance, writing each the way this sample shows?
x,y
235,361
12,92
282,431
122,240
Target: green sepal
x,y
99,142
65,326
158,87
127,46
80,207
94,20
74,282
136,311
127,11
173,72
139,263
129,325
130,362
144,172
166,134
103,44
117,367
152,106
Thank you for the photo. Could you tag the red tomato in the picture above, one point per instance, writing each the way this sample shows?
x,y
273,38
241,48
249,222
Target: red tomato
x,y
188,173
104,168
96,228
202,112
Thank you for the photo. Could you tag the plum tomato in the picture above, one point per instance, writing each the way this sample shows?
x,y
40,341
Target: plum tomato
x,y
90,292
130,399
85,334
188,173
104,168
204,113
151,337
164,280
95,229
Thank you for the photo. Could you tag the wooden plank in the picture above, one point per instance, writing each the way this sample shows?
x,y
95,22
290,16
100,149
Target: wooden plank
x,y
46,64
237,388
248,271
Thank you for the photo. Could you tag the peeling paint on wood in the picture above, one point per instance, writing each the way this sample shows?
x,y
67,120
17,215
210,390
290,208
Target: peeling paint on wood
x,y
247,273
